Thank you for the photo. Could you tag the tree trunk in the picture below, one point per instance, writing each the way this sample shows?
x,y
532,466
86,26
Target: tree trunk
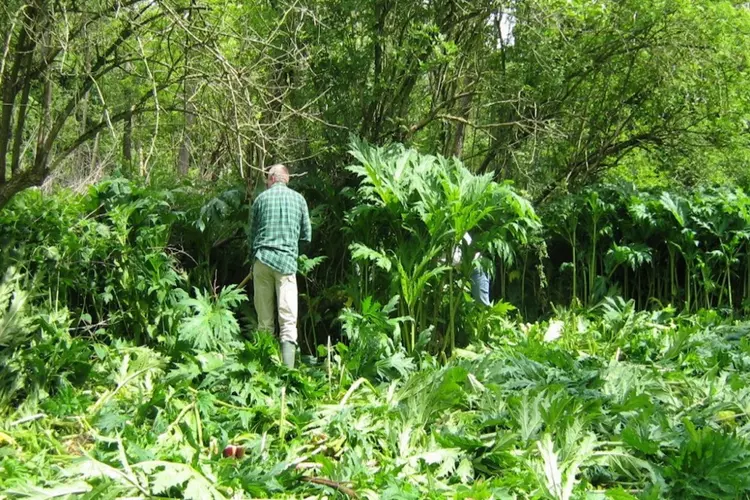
x,y
83,156
185,147
42,151
9,92
183,160
26,179
464,111
127,138
94,153
127,127
23,109
371,119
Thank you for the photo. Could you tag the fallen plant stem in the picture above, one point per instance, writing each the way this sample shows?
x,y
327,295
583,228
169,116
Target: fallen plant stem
x,y
107,395
30,418
310,455
331,484
353,388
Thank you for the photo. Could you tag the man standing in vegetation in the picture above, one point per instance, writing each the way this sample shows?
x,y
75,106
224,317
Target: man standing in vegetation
x,y
279,220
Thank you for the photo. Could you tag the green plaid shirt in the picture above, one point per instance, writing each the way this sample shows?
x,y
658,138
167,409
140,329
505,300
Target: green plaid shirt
x,y
278,221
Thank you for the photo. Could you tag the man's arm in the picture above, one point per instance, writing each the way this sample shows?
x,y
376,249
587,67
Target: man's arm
x,y
252,228
305,233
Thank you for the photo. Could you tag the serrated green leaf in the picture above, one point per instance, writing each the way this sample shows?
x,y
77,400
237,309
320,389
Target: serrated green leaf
x,y
169,477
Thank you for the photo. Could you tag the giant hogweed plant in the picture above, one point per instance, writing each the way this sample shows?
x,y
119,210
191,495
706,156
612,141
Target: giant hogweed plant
x,y
412,213
691,250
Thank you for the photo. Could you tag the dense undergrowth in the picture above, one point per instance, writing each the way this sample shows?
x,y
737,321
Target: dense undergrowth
x,y
622,405
128,359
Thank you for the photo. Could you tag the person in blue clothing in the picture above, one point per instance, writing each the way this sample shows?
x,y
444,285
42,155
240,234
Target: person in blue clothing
x,y
480,279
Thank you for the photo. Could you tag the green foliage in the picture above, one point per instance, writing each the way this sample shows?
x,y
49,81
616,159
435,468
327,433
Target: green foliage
x,y
115,382
212,325
103,271
14,324
413,211
689,250
38,354
710,464
375,346
623,400
102,254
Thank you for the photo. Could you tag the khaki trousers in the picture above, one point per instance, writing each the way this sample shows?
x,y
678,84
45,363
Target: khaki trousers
x,y
269,284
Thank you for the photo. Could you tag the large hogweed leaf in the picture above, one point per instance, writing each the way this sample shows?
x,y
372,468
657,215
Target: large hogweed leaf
x,y
212,324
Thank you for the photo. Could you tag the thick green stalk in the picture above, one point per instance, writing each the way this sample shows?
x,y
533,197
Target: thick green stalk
x,y
413,343
706,295
523,282
672,276
575,265
452,326
695,292
687,285
502,279
450,333
592,265
639,291
437,299
651,285
729,284
365,278
419,319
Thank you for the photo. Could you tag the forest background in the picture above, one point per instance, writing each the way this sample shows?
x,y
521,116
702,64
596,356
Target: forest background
x,y
596,150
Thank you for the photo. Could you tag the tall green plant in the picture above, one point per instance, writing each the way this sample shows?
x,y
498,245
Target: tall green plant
x,y
688,249
105,254
412,214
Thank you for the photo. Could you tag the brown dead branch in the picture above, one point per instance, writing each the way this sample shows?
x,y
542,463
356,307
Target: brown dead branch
x,y
331,484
